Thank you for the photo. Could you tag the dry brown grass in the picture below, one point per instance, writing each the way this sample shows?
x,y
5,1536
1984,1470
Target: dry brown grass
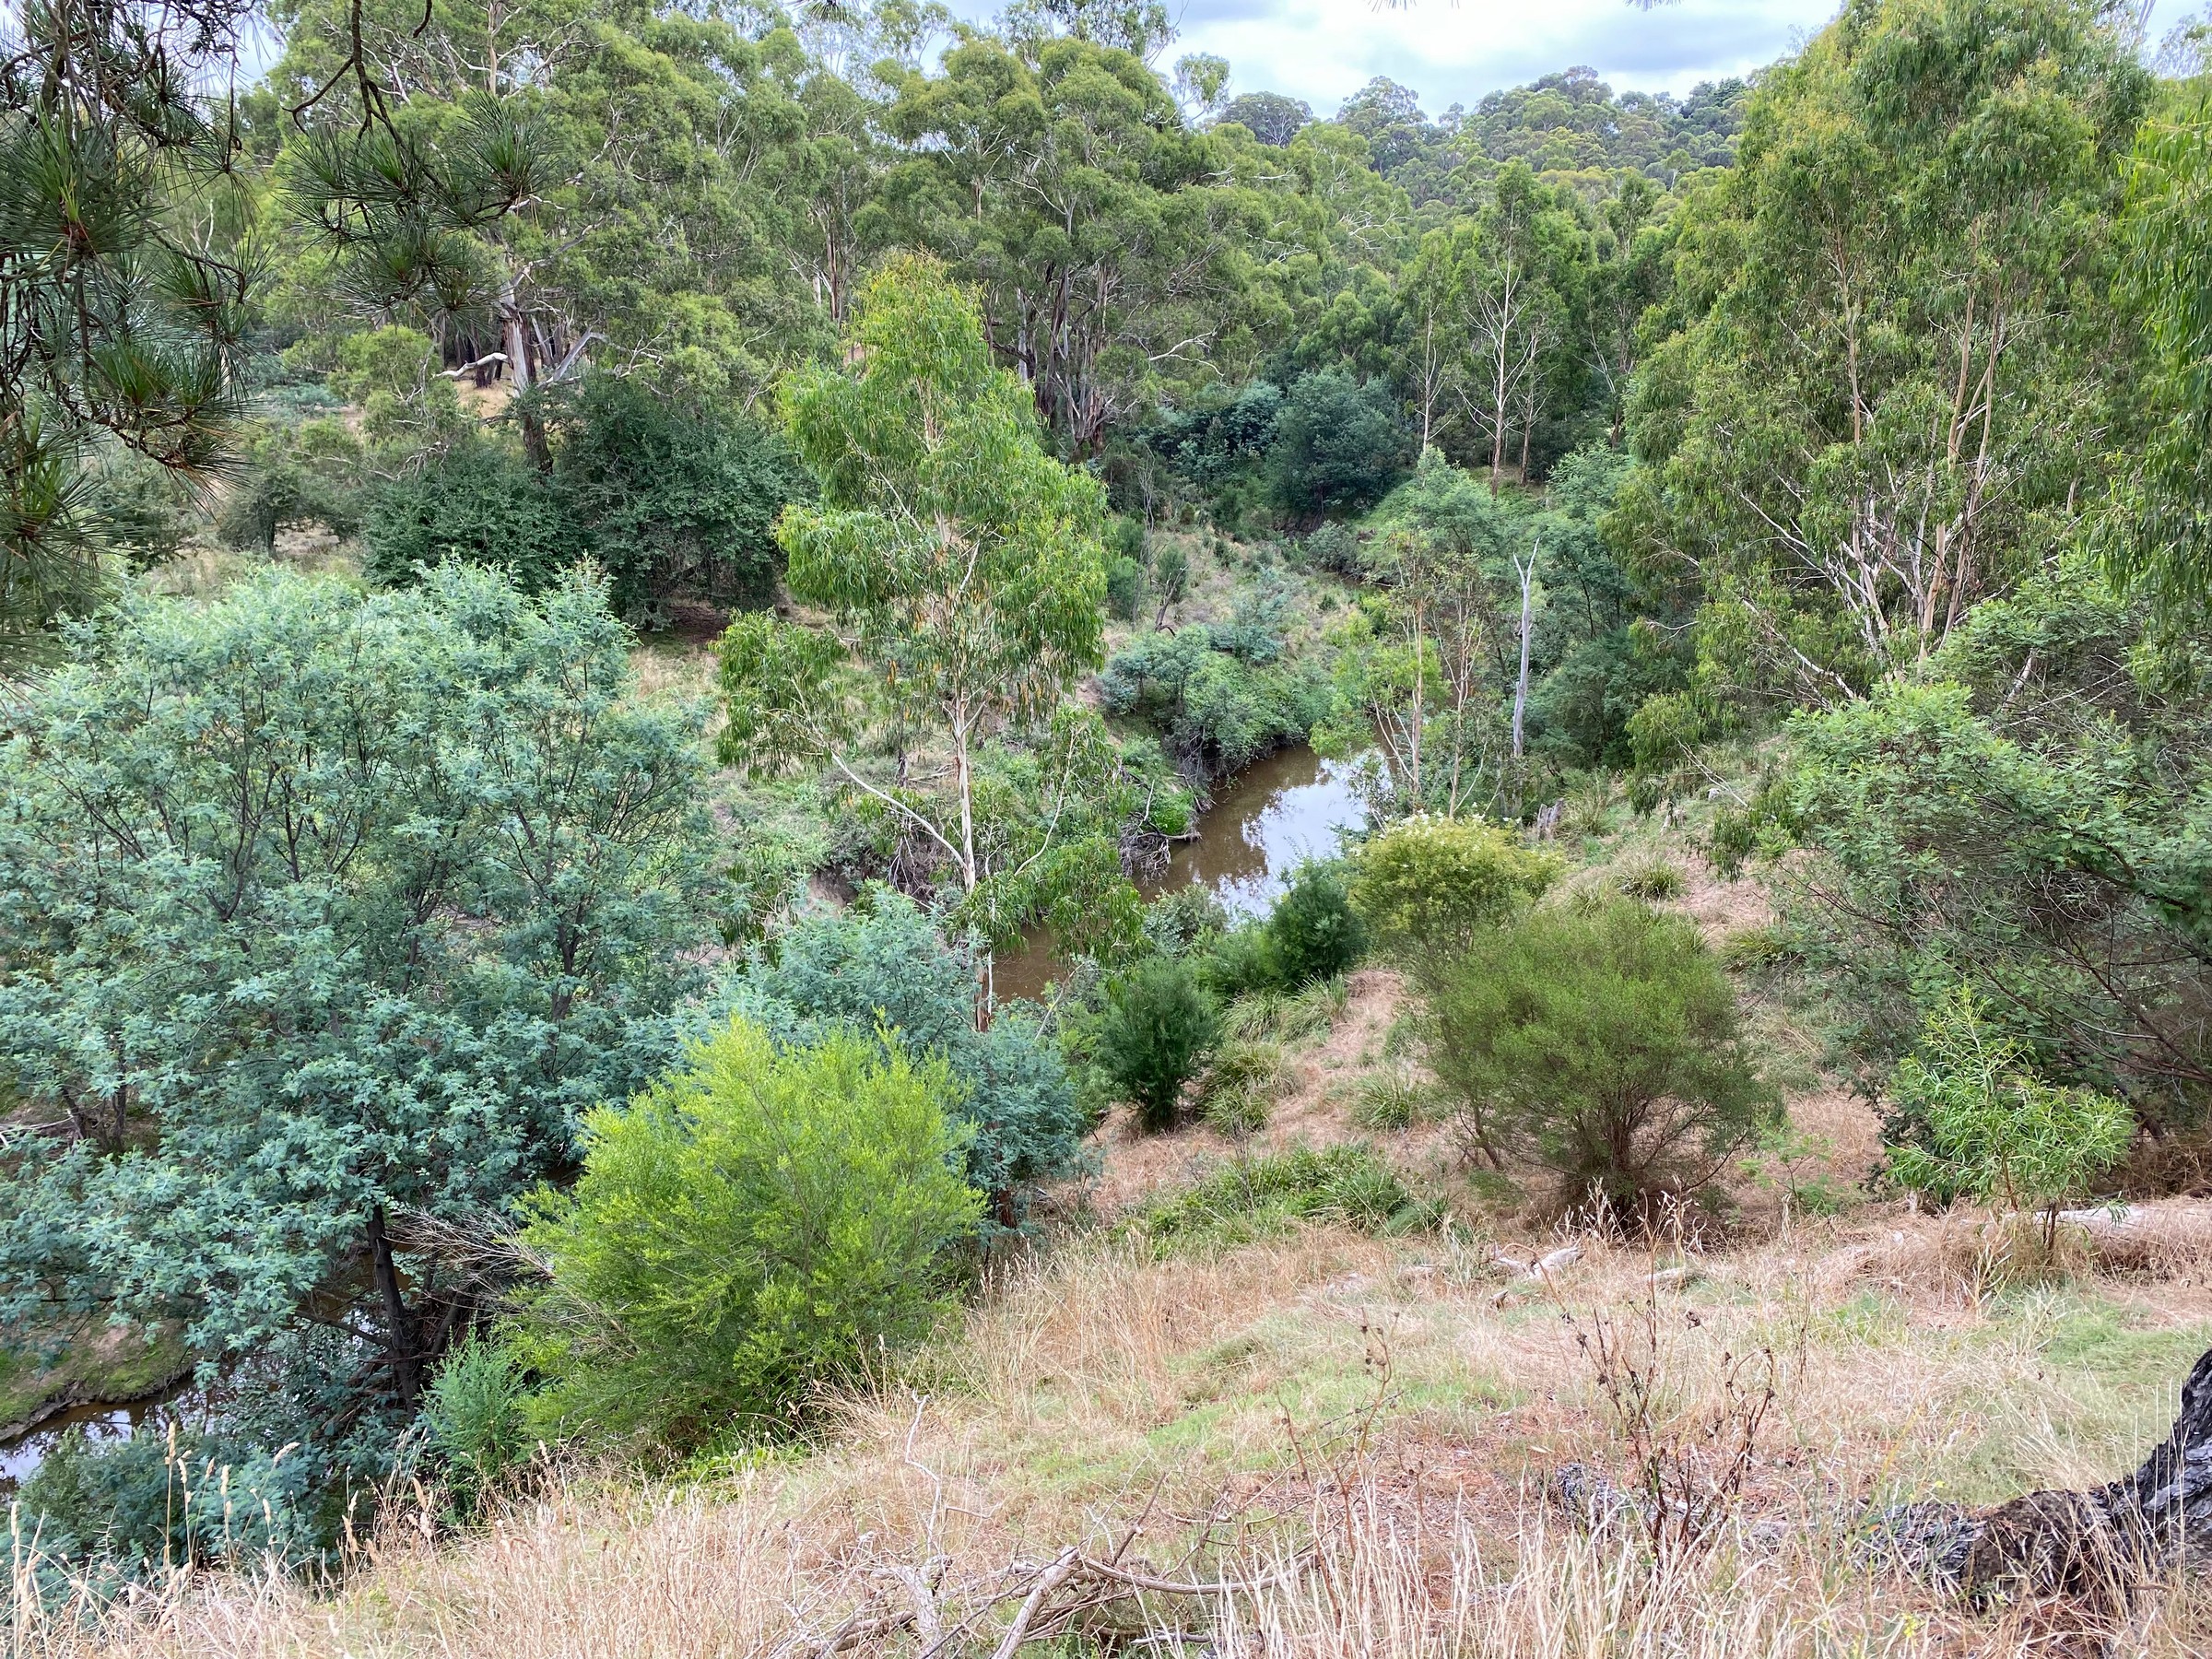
x,y
1380,1402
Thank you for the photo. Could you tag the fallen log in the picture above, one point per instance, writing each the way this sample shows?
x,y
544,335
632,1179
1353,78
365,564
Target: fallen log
x,y
2096,1550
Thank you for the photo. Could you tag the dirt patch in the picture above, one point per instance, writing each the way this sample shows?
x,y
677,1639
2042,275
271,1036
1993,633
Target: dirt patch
x,y
1312,1108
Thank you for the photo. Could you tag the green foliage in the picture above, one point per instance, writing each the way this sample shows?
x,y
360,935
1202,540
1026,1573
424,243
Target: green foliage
x,y
2157,532
672,495
292,473
126,312
1654,879
881,967
1338,446
1352,1186
1313,932
1170,577
669,498
1125,589
2029,816
1218,711
1663,728
1239,1084
474,1418
1058,175
1430,884
480,503
762,1222
321,909
1603,1044
1897,370
963,559
1157,1029
1975,1122
139,1508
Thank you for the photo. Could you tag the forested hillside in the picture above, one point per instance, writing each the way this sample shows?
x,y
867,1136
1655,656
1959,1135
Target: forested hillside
x,y
828,830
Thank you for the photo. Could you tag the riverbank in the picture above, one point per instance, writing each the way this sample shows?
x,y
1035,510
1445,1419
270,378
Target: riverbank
x,y
99,1373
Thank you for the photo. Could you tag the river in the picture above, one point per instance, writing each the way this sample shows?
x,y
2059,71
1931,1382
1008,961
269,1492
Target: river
x,y
1264,822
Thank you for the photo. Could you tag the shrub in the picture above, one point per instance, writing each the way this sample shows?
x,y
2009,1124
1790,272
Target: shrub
x,y
1333,548
1180,921
673,495
1602,1043
1663,728
1313,930
1653,879
1240,962
761,1222
882,967
478,503
1156,1028
149,1504
1339,446
1124,590
473,1419
1430,883
1354,1187
1170,577
1979,1124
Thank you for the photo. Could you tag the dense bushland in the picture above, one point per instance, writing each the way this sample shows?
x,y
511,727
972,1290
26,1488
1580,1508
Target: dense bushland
x,y
438,1036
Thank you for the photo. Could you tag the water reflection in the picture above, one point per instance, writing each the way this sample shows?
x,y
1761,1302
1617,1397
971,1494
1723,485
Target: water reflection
x,y
1264,822
1267,821
22,1456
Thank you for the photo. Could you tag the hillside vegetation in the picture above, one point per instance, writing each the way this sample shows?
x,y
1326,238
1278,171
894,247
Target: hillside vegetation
x,y
827,831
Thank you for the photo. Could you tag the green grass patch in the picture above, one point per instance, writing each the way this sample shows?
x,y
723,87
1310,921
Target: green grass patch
x,y
1264,1197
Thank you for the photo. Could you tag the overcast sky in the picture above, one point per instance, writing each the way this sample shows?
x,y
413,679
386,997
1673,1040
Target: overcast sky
x,y
1321,50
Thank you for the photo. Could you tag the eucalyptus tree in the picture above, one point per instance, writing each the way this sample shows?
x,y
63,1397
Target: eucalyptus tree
x,y
1902,364
1061,178
2159,532
1501,289
961,568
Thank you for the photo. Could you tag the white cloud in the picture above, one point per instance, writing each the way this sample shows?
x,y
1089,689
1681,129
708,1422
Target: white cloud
x,y
1323,50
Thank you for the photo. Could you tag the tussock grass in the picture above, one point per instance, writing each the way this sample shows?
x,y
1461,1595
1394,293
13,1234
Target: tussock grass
x,y
1391,1406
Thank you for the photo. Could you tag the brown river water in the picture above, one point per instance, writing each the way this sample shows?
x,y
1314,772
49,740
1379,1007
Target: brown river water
x,y
1264,822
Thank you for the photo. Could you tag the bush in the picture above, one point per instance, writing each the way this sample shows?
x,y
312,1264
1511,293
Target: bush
x,y
1125,589
1219,711
759,1223
1972,1120
1431,883
479,504
1602,1043
673,496
1354,1187
1313,931
669,498
1333,548
146,1505
1339,446
473,1419
881,966
1156,1028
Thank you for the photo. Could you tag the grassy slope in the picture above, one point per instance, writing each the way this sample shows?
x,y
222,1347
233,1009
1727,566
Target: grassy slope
x,y
1401,1400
